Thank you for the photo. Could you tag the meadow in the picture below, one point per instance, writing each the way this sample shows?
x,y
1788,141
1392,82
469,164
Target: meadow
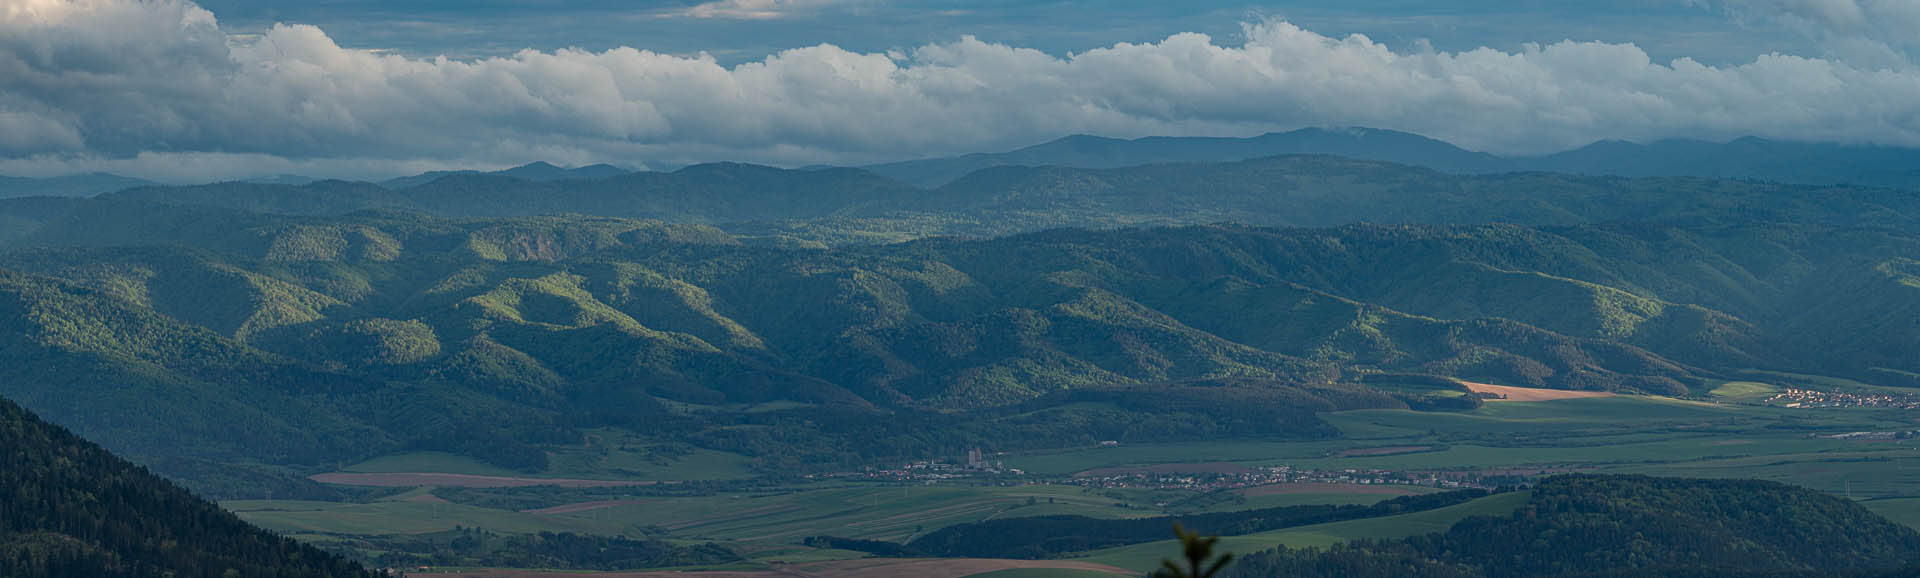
x,y
1145,557
1731,437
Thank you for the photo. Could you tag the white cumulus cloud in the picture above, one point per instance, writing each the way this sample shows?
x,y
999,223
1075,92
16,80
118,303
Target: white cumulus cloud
x,y
753,9
104,83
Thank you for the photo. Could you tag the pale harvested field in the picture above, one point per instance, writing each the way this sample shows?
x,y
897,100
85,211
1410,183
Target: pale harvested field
x,y
865,568
1198,468
1532,393
406,480
1281,489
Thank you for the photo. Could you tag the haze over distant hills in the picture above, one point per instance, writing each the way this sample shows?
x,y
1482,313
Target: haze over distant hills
x,y
538,171
68,186
1746,158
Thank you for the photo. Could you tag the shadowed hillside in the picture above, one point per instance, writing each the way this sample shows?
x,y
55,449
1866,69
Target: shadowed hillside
x,y
72,509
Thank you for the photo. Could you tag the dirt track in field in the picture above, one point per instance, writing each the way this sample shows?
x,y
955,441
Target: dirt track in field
x,y
412,480
865,568
1532,393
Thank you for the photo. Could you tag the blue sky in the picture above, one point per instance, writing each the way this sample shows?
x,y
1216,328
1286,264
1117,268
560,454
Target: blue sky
x,y
180,91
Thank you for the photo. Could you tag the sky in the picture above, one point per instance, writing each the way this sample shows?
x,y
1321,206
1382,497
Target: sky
x,y
176,91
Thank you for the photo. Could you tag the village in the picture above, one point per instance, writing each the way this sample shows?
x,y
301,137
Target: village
x,y
975,468
1275,475
1808,398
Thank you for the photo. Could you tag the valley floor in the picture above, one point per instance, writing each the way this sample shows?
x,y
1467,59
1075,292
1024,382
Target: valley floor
x,y
1858,452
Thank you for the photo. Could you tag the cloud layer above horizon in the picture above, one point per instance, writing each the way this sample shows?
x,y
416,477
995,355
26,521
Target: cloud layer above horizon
x,y
158,87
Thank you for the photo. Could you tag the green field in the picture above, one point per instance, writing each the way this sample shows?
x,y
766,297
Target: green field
x,y
1626,434
1144,557
1302,499
607,455
1632,433
1744,391
1043,573
416,512
868,511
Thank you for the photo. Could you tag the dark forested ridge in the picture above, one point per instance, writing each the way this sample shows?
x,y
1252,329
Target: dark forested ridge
x,y
70,509
1051,536
559,551
1631,526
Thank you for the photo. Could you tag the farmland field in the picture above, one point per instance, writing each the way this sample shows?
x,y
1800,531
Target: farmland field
x,y
1144,557
1611,434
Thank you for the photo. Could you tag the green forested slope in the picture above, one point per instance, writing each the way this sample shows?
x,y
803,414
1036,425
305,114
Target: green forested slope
x,y
70,509
1631,526
330,338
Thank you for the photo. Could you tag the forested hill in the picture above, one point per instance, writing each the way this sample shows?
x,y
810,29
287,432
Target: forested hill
x,y
70,509
1631,526
840,205
310,342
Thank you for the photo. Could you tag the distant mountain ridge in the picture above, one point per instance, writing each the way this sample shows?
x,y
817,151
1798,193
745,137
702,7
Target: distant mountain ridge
x,y
1745,158
538,171
85,185
1749,158
1092,152
842,205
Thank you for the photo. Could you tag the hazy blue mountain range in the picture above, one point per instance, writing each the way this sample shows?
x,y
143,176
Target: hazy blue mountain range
x,y
853,205
1746,158
69,186
1092,152
538,171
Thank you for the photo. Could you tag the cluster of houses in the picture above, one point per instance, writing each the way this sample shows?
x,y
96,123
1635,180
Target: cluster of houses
x,y
1794,397
1269,476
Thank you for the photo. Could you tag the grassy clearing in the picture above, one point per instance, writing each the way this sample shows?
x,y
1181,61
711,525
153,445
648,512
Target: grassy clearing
x,y
1823,382
1860,470
430,462
1581,433
1903,510
869,512
1071,461
1302,499
895,513
412,517
593,461
1744,391
1144,557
